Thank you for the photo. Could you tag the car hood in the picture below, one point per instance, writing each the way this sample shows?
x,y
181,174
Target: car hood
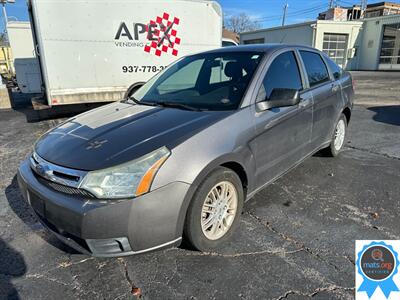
x,y
118,133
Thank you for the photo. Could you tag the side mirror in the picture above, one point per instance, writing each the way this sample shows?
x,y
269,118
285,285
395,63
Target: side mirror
x,y
280,98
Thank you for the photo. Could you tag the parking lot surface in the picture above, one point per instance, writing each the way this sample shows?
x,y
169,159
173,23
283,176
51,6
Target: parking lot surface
x,y
295,241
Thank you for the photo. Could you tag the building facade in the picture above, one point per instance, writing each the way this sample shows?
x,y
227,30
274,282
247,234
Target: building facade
x,y
382,9
365,44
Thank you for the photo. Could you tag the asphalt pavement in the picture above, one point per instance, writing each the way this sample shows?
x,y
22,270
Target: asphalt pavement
x,y
295,241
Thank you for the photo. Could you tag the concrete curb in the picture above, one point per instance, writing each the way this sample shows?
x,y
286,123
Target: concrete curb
x,y
377,103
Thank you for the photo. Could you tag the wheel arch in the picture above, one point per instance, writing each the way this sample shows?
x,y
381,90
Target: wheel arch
x,y
240,171
230,161
347,112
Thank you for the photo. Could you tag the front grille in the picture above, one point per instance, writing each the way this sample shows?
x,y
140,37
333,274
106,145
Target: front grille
x,y
64,189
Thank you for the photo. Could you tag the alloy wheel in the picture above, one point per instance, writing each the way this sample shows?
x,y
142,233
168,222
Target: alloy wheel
x,y
340,133
219,210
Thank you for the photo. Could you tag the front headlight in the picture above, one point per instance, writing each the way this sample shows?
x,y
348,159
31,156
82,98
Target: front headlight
x,y
127,180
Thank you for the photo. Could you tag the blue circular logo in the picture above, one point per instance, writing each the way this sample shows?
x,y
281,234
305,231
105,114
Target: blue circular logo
x,y
377,263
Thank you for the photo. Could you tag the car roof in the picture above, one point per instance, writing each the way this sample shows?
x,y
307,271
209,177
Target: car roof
x,y
269,48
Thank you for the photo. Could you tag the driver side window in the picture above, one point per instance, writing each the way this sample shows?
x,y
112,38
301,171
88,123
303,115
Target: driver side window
x,y
282,75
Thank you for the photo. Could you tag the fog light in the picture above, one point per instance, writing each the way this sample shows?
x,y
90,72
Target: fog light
x,y
109,246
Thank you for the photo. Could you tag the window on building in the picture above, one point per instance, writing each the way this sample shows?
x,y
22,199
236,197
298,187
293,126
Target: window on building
x,y
254,41
317,72
286,64
390,45
373,14
335,46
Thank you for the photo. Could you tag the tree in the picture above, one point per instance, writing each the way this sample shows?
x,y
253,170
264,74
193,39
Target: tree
x,y
241,23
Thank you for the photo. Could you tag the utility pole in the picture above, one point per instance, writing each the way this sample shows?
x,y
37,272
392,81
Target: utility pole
x,y
3,3
285,7
364,4
5,15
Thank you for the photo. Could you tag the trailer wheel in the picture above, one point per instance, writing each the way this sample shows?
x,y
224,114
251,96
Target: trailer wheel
x,y
133,88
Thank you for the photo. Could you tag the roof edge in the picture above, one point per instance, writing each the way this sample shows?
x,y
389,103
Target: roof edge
x,y
280,27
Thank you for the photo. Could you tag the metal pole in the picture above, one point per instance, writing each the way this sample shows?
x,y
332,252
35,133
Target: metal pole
x,y
364,4
5,18
330,3
285,7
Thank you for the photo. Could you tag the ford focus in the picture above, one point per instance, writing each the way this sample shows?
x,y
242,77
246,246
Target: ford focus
x,y
178,158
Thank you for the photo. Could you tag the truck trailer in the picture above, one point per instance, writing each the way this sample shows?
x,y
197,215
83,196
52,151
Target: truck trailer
x,y
24,59
101,51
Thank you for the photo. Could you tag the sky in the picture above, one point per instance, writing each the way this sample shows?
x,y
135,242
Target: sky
x,y
267,12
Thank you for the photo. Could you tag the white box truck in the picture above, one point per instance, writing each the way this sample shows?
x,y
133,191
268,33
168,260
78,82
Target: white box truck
x,y
25,62
94,51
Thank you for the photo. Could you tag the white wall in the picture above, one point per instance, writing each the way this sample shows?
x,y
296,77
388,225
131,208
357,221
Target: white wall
x,y
310,34
372,39
301,34
21,40
351,28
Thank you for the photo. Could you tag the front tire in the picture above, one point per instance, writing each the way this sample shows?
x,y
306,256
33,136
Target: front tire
x,y
214,213
338,138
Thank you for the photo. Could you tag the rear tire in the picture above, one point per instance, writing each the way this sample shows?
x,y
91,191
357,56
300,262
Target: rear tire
x,y
338,138
214,213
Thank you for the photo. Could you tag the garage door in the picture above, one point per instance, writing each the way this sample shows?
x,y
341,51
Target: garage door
x,y
335,45
390,48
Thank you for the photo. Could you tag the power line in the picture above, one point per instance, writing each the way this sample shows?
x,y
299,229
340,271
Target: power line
x,y
346,2
296,13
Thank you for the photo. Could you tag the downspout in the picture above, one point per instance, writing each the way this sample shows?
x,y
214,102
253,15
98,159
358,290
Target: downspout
x,y
314,34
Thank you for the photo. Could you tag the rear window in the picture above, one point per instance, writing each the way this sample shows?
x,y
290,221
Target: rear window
x,y
335,69
317,72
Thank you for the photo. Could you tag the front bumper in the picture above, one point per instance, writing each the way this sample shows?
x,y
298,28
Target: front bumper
x,y
107,228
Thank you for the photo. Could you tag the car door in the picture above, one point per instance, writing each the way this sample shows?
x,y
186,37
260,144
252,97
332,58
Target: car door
x,y
283,133
326,94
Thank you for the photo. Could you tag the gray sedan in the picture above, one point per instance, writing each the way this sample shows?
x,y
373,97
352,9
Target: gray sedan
x,y
180,156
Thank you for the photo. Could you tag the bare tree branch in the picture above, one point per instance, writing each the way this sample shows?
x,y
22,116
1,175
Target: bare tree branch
x,y
241,23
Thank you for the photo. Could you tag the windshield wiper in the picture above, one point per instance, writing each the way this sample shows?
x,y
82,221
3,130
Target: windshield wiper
x,y
132,99
178,105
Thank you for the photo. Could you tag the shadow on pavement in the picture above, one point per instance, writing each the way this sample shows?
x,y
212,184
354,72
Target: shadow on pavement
x,y
66,111
386,114
12,265
22,209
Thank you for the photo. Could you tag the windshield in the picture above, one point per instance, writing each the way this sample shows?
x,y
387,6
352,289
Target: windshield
x,y
211,81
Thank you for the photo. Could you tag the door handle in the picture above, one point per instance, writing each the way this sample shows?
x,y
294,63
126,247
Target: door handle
x,y
335,88
303,103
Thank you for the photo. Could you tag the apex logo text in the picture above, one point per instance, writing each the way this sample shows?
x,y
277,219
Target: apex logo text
x,y
160,35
